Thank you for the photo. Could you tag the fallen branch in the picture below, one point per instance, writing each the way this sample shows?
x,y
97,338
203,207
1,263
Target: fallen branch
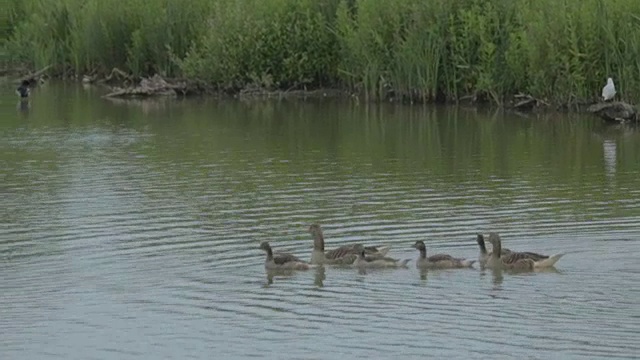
x,y
33,77
527,102
154,86
119,76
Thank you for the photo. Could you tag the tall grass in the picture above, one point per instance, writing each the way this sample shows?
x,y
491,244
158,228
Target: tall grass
x,y
272,44
141,36
559,50
422,50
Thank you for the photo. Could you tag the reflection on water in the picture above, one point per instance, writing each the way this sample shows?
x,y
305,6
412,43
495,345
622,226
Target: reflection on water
x,y
319,275
23,106
132,230
609,150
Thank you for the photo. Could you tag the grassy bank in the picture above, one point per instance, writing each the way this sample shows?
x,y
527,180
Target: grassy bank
x,y
426,50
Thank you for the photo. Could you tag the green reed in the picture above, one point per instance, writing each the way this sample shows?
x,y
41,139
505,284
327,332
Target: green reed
x,y
272,44
87,36
559,50
415,50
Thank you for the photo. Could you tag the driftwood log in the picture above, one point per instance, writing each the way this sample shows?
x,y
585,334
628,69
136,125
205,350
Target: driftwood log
x,y
525,102
33,78
153,86
257,92
116,76
616,111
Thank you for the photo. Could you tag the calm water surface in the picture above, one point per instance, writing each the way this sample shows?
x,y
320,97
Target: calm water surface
x,y
130,230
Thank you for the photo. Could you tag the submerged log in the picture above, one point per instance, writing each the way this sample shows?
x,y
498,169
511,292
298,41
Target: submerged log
x,y
617,111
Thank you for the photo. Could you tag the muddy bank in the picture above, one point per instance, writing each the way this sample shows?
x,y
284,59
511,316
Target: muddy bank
x,y
122,85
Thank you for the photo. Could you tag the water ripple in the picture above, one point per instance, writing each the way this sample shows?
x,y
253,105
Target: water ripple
x,y
124,243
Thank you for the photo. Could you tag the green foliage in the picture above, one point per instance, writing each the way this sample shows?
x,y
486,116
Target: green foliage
x,y
560,50
85,35
423,50
272,44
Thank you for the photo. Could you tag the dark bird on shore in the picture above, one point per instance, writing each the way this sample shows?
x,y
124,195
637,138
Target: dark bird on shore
x,y
23,89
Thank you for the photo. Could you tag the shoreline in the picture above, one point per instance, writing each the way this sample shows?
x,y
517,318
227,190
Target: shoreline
x,y
125,86
507,54
118,79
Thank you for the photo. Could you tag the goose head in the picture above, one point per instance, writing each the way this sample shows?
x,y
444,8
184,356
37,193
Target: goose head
x,y
265,246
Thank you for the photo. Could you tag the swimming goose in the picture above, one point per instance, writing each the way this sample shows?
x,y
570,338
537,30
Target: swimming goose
x,y
23,89
517,260
439,261
344,255
364,261
281,260
484,255
528,254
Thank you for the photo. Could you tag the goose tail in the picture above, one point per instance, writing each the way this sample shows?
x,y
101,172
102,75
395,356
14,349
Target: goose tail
x,y
383,250
404,262
468,263
305,266
548,262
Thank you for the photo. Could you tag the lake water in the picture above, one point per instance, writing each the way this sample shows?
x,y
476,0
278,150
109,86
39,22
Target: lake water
x,y
130,230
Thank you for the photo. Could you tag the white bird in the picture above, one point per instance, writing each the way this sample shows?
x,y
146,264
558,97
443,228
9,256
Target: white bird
x,y
609,90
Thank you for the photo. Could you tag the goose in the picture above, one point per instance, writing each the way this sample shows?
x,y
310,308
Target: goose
x,y
531,255
23,89
439,261
517,260
282,260
364,261
484,255
343,255
609,90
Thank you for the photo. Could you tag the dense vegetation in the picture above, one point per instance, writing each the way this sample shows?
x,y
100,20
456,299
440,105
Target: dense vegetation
x,y
561,50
